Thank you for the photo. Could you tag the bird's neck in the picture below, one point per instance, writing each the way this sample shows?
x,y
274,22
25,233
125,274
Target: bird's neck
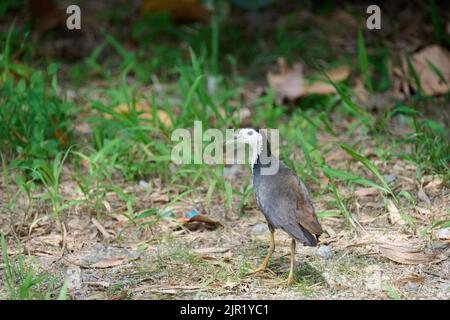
x,y
261,157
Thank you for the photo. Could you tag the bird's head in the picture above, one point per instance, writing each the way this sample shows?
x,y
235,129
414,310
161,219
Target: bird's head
x,y
249,136
259,146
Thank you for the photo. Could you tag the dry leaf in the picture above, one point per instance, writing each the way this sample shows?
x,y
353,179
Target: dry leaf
x,y
210,250
168,289
245,117
394,216
430,80
121,218
405,255
423,196
443,234
227,256
180,10
78,223
144,111
322,86
54,240
434,183
364,192
107,263
100,228
413,279
107,206
360,92
338,74
45,15
200,222
159,197
288,82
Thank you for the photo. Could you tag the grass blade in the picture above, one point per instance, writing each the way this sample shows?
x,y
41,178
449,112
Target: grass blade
x,y
413,72
5,173
436,23
229,195
342,207
364,61
304,146
369,166
63,292
345,176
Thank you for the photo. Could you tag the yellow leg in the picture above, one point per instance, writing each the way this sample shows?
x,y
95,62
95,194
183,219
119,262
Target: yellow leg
x,y
290,278
265,263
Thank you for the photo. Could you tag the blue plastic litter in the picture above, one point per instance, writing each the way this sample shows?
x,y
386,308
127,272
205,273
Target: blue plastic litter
x,y
191,214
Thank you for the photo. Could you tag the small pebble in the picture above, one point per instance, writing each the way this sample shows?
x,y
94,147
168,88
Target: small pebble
x,y
374,278
443,234
231,172
143,184
260,229
438,245
411,286
73,277
445,289
324,252
390,178
329,279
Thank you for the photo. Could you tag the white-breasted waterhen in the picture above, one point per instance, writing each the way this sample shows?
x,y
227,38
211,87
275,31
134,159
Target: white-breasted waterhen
x,y
281,196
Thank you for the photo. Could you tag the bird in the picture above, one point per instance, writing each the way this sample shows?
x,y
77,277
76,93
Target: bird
x,y
281,196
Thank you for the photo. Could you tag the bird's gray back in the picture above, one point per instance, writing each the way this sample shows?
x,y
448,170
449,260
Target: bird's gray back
x,y
285,202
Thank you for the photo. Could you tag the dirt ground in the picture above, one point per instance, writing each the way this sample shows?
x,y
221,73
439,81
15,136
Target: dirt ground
x,y
109,256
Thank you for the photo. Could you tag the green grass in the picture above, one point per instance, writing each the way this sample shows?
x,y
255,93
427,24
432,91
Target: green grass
x,y
22,282
364,61
139,149
437,26
40,148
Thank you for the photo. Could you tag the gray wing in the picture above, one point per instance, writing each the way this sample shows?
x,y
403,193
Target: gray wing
x,y
286,204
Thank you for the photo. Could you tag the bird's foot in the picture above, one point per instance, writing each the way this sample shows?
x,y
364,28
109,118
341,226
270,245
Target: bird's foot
x,y
259,269
286,282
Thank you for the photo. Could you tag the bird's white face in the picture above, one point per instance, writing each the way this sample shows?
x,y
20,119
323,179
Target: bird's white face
x,y
249,136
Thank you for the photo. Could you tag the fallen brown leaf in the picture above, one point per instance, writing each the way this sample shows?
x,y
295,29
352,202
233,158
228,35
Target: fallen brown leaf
x,y
180,10
200,222
101,228
107,263
321,86
394,216
412,278
227,256
289,83
45,15
433,183
364,192
210,250
54,240
168,289
159,197
423,196
423,62
406,255
144,111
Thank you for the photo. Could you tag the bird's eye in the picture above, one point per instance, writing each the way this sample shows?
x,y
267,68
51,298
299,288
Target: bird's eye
x,y
250,133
